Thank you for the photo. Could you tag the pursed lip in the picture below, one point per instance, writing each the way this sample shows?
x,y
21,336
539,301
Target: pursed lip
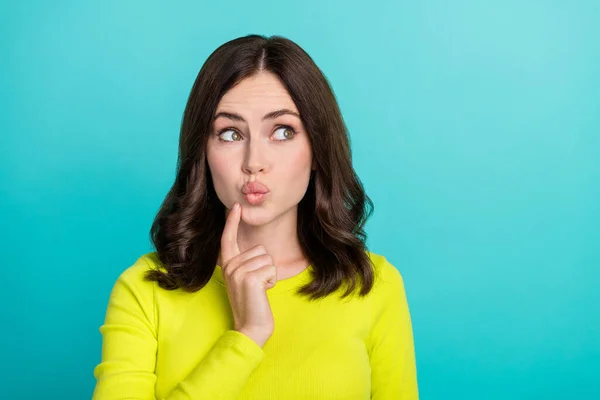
x,y
254,188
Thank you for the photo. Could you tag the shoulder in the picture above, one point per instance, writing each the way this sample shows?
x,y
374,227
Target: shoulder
x,y
389,305
138,269
387,276
132,296
388,284
132,279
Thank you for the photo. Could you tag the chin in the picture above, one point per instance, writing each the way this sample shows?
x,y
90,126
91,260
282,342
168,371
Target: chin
x,y
257,216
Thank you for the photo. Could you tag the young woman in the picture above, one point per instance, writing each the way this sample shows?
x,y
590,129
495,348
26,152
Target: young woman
x,y
261,286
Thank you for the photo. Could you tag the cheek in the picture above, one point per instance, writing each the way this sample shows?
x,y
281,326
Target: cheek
x,y
299,167
220,169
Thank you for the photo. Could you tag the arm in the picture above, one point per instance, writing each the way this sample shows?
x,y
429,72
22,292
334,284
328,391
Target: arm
x,y
129,348
390,345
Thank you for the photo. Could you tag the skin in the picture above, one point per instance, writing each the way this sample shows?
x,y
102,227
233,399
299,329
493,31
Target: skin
x,y
264,150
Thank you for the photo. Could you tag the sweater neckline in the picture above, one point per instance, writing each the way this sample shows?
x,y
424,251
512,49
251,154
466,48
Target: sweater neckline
x,y
284,285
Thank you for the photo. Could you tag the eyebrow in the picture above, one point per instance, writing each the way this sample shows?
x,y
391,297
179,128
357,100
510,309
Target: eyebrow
x,y
271,115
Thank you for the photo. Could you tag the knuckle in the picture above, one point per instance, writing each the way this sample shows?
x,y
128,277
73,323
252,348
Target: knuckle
x,y
238,274
229,270
261,260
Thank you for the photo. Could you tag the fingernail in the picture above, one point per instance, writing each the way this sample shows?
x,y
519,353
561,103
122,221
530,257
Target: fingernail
x,y
236,206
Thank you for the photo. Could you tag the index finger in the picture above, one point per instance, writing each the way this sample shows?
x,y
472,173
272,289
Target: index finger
x,y
229,244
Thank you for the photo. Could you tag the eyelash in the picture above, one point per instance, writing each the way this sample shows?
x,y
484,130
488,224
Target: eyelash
x,y
221,131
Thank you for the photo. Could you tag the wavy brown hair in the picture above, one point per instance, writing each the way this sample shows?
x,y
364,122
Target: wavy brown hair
x,y
331,216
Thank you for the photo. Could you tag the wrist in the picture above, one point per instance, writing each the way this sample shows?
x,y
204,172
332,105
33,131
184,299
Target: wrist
x,y
260,338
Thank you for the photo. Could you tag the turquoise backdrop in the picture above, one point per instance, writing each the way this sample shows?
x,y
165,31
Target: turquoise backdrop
x,y
475,128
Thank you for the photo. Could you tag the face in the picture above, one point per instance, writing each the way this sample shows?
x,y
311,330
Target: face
x,y
257,144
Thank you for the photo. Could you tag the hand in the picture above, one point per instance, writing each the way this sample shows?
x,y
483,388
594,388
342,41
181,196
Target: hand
x,y
247,276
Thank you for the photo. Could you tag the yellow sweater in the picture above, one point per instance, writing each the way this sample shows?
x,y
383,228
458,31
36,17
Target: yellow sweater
x,y
160,344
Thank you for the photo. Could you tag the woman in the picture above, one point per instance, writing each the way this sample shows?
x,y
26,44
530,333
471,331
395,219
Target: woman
x,y
261,286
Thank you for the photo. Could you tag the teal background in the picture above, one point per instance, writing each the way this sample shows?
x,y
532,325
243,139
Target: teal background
x,y
475,127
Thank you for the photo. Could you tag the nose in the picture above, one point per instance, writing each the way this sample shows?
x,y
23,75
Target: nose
x,y
255,159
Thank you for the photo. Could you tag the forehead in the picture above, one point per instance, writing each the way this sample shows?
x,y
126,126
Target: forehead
x,y
261,92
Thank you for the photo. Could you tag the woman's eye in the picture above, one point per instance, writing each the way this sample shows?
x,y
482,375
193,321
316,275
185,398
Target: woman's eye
x,y
229,135
284,133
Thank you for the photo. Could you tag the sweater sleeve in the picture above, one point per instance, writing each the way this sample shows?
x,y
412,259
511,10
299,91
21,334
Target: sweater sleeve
x,y
390,344
130,344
